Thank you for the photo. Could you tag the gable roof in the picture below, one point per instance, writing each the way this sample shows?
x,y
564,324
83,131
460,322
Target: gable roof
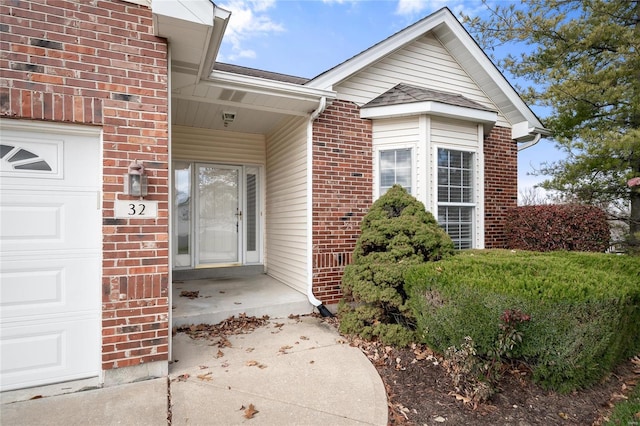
x,y
463,48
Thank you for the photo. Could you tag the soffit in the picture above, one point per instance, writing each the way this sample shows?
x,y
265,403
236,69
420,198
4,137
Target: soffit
x,y
259,103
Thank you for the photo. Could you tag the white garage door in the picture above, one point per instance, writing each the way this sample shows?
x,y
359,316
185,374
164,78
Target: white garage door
x,y
50,253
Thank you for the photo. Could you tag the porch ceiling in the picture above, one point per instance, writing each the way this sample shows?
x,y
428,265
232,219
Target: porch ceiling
x,y
258,104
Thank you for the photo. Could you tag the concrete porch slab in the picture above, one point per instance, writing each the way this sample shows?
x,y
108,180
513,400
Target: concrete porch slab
x,y
220,298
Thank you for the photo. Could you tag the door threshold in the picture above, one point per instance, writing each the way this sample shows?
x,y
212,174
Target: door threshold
x,y
218,265
219,272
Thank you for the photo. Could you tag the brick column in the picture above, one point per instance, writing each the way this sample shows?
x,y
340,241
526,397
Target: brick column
x,y
342,192
98,63
501,184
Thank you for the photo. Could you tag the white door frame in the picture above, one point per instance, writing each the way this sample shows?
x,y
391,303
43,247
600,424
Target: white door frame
x,y
250,179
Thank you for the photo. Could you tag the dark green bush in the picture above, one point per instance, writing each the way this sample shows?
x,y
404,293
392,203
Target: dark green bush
x,y
571,227
583,308
396,233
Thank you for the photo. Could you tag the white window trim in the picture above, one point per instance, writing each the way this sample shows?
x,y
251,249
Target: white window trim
x,y
376,165
478,189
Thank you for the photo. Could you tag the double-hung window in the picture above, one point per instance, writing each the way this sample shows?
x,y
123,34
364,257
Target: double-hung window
x,y
395,168
455,195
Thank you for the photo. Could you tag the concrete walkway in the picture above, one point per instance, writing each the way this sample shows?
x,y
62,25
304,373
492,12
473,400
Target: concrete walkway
x,y
292,372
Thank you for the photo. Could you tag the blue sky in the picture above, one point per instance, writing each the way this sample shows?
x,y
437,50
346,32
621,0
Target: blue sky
x,y
305,38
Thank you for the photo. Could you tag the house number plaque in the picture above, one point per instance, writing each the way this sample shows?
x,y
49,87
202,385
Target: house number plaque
x,y
136,209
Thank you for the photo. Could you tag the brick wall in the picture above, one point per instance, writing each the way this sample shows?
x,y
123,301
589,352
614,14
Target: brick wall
x,y
342,193
501,184
98,63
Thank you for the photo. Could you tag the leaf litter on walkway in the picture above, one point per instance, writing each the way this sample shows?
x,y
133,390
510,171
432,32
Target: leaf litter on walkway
x,y
243,324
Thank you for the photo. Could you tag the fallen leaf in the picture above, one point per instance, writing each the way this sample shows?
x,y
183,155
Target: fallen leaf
x,y
564,416
202,367
304,338
250,412
182,377
220,354
459,397
190,294
251,363
284,349
36,397
224,343
250,350
206,376
439,419
278,325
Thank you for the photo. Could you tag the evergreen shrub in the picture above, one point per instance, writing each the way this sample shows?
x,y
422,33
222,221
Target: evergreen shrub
x,y
569,227
396,233
582,309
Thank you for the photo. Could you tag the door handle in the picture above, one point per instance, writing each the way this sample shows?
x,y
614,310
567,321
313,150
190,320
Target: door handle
x,y
239,215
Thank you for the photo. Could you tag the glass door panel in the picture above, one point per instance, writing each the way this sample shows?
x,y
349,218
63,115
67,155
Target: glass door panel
x,y
219,215
252,215
182,215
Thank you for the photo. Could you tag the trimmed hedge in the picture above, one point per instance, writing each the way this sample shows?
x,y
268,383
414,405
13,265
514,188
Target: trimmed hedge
x,y
569,227
583,307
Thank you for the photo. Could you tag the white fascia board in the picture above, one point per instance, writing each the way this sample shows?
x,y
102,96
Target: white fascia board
x,y
487,118
146,3
195,11
343,71
197,24
264,86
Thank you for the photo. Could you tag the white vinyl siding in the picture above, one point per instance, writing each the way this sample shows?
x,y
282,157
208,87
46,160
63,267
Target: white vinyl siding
x,y
286,204
454,133
424,63
222,147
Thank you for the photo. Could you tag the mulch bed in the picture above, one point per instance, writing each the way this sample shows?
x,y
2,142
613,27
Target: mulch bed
x,y
421,392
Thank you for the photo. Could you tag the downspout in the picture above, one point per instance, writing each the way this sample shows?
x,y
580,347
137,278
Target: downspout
x,y
312,298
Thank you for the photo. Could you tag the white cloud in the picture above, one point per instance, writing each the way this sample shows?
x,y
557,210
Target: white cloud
x,y
412,8
249,20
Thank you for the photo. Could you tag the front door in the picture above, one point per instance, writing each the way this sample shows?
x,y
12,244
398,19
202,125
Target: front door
x,y
219,214
216,217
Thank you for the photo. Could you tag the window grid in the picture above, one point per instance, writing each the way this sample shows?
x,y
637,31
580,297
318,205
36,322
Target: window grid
x,y
455,196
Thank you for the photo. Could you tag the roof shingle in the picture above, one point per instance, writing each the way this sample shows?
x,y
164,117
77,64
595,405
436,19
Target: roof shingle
x,y
252,72
405,94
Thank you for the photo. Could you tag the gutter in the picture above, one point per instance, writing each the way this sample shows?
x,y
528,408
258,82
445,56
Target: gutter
x,y
312,298
527,134
531,143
